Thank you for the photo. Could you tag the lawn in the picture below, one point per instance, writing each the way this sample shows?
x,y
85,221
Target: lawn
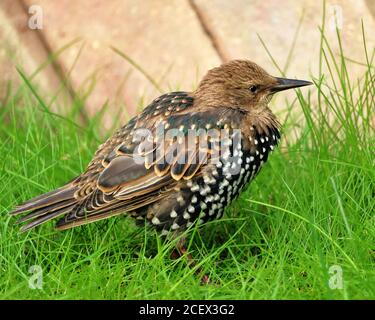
x,y
304,229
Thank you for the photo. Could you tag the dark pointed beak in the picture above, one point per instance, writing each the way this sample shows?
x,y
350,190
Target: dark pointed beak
x,y
285,84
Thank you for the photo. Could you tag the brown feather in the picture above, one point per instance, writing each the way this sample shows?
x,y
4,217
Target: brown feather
x,y
47,199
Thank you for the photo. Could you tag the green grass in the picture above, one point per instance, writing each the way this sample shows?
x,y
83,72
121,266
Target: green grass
x,y
311,208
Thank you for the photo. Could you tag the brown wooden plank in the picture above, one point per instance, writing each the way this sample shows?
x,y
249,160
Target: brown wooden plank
x,y
22,47
164,37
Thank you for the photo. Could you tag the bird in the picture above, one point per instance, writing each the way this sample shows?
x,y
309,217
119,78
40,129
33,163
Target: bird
x,y
180,162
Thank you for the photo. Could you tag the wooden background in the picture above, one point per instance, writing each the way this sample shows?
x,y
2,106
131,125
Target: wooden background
x,y
175,41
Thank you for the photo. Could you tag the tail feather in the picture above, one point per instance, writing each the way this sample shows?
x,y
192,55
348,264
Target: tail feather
x,y
46,206
48,216
42,211
46,199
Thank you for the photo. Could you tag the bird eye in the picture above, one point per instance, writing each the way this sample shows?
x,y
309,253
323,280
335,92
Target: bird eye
x,y
253,89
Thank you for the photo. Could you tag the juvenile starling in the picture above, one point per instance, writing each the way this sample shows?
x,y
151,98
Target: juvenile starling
x,y
181,161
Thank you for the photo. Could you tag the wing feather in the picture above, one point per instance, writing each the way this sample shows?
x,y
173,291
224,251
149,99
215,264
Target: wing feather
x,y
117,181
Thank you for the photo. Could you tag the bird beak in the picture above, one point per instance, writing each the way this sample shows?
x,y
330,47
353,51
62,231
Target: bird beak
x,y
285,84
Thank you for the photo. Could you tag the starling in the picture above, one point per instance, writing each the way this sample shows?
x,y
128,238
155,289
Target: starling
x,y
181,161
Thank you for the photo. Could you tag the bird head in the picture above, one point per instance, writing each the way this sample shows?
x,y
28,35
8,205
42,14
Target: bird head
x,y
242,84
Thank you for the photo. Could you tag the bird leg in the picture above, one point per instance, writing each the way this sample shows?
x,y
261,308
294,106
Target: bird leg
x,y
180,251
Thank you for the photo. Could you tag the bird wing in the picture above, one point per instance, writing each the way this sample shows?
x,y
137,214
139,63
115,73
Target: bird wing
x,y
84,193
126,173
136,175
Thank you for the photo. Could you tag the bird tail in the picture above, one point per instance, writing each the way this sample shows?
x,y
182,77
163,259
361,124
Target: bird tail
x,y
46,206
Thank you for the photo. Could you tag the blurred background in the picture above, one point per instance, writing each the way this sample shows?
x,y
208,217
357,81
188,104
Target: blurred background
x,y
123,53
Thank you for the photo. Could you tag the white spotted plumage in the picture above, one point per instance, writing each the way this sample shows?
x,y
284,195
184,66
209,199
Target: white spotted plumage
x,y
217,186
